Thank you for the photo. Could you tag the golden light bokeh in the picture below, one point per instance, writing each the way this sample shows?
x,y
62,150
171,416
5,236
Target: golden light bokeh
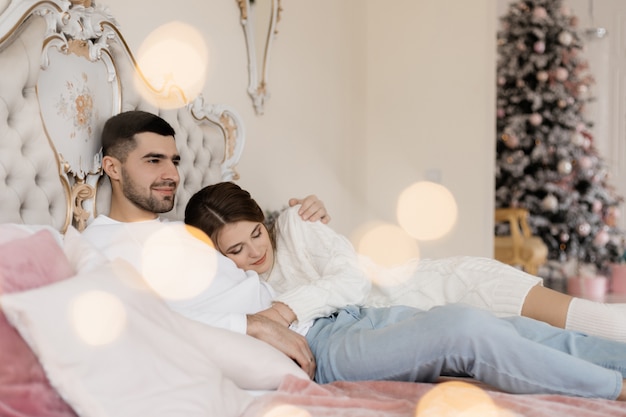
x,y
287,410
386,244
173,60
179,262
200,235
427,210
458,399
98,317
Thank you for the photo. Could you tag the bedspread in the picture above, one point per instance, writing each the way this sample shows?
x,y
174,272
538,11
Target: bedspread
x,y
302,398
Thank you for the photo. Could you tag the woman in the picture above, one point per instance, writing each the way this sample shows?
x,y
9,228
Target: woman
x,y
349,342
305,249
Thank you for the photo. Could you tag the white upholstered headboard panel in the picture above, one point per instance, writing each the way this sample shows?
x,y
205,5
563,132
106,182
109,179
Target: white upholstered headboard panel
x,y
47,40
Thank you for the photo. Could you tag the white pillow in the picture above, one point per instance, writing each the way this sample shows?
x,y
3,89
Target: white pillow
x,y
81,253
153,367
10,231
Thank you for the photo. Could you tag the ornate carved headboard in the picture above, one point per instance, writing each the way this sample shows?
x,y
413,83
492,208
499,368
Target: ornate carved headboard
x,y
65,69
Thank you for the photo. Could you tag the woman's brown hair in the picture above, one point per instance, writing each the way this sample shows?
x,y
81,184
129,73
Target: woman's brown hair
x,y
217,205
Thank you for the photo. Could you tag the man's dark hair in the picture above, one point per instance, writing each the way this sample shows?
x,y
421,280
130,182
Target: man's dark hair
x,y
118,133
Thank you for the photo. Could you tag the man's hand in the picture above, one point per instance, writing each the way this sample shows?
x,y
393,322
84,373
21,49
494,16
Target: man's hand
x,y
287,341
312,208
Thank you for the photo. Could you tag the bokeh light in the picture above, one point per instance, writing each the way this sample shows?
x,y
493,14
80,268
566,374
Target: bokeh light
x,y
179,261
98,317
174,61
427,210
458,399
386,244
287,410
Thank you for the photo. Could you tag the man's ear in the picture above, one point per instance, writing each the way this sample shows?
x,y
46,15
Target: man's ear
x,y
112,167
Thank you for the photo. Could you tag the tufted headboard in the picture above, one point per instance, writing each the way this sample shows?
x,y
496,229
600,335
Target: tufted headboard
x,y
65,69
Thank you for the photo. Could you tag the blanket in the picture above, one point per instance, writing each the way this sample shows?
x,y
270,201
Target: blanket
x,y
303,398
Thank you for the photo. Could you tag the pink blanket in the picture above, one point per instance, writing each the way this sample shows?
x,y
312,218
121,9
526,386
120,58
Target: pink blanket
x,y
297,397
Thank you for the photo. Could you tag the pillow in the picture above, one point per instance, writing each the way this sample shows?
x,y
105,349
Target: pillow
x,y
154,366
26,262
10,231
80,252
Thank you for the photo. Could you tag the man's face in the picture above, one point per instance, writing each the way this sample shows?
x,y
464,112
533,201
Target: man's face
x,y
149,176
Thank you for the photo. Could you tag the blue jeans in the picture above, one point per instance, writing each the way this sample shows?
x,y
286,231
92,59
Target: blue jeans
x,y
515,354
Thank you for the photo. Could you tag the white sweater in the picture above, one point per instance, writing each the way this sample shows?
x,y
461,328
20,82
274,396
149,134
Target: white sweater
x,y
166,247
317,271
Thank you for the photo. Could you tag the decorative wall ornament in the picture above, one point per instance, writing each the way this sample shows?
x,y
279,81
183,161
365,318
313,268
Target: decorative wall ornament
x,y
77,91
259,19
232,127
594,32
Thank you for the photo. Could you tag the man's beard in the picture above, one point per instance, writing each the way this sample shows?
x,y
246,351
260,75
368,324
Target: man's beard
x,y
146,202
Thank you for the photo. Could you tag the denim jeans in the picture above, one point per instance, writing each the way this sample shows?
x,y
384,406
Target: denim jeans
x,y
515,354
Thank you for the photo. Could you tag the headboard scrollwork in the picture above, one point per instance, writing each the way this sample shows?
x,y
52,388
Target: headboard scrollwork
x,y
70,71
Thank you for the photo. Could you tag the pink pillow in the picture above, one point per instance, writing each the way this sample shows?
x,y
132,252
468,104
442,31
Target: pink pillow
x,y
27,263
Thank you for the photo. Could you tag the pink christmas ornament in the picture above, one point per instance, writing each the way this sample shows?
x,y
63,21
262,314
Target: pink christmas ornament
x,y
584,229
535,119
612,216
540,12
596,206
501,81
585,162
561,74
549,203
564,167
578,139
539,47
542,76
500,113
601,239
512,141
582,89
565,38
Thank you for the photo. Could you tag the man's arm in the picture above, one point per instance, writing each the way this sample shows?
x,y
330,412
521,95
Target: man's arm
x,y
282,338
311,209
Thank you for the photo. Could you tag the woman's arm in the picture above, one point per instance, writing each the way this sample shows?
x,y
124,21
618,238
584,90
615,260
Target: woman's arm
x,y
317,270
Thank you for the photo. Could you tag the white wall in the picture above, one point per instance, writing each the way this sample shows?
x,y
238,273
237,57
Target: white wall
x,y
366,96
431,72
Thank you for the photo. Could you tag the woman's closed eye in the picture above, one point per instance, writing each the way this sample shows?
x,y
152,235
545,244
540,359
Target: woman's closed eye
x,y
236,250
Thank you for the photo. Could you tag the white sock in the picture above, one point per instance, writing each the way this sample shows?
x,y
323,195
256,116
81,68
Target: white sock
x,y
598,319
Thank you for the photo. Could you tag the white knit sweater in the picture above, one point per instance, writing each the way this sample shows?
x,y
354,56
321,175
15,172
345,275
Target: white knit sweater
x,y
317,270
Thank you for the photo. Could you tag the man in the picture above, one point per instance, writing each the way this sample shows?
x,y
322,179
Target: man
x,y
141,160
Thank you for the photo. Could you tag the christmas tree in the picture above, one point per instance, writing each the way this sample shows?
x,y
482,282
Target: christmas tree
x,y
546,158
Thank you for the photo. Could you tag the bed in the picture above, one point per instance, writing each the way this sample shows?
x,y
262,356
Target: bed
x,y
66,68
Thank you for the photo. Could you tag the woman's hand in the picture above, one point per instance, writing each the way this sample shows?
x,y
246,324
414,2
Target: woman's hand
x,y
312,209
280,313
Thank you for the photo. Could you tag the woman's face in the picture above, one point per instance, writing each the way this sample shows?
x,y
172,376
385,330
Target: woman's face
x,y
248,244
